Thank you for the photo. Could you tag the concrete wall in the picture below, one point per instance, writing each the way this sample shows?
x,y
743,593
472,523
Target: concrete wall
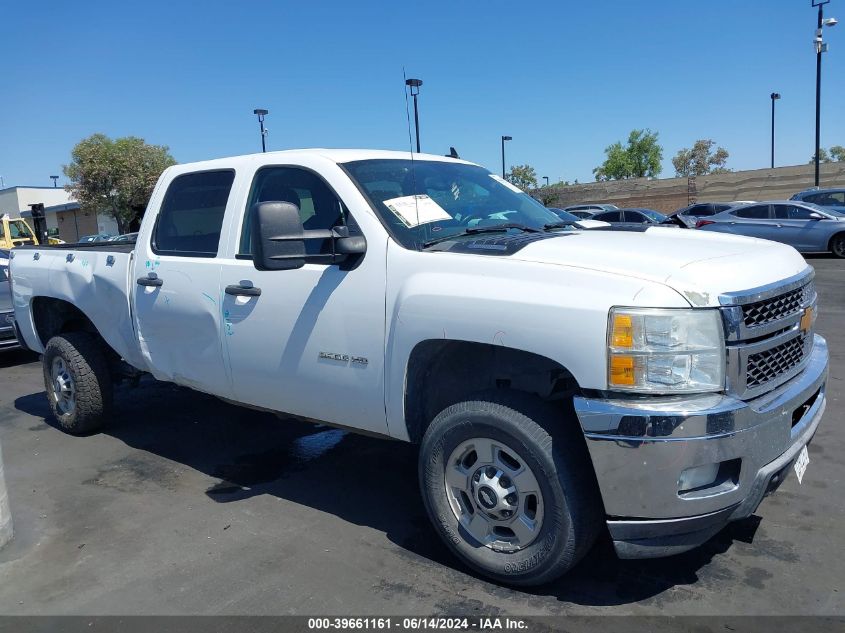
x,y
668,194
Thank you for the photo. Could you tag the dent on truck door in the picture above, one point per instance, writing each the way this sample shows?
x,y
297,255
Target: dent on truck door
x,y
312,342
176,280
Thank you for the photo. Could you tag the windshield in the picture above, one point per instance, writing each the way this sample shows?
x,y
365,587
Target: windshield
x,y
421,201
18,229
654,215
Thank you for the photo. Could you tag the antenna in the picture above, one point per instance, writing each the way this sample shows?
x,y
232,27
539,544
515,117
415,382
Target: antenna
x,y
411,145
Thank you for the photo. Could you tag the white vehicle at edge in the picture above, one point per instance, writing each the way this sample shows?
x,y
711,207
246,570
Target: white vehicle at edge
x,y
541,369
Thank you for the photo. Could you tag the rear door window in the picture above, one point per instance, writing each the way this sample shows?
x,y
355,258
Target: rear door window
x,y
191,215
635,217
757,212
609,216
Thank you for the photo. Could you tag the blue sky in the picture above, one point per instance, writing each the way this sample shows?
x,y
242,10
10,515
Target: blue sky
x,y
565,79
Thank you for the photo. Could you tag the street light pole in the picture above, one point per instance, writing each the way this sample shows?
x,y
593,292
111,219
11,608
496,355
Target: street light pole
x,y
504,138
414,85
775,96
821,47
55,181
261,114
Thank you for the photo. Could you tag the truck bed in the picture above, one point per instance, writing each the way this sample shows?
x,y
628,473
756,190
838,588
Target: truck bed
x,y
93,277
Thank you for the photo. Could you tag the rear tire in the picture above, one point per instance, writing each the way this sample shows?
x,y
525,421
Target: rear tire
x,y
514,501
78,382
837,245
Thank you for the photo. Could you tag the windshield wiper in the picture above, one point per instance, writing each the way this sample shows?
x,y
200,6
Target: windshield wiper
x,y
551,226
474,230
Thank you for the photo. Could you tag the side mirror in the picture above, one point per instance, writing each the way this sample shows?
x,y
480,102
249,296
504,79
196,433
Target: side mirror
x,y
278,239
816,216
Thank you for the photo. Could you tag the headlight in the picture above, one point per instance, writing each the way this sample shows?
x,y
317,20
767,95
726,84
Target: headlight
x,y
665,351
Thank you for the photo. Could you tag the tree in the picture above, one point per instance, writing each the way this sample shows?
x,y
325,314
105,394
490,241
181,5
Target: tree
x,y
700,160
116,175
641,157
824,157
837,153
523,176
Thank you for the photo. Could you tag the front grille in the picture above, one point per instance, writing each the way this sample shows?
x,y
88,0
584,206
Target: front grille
x,y
768,310
773,363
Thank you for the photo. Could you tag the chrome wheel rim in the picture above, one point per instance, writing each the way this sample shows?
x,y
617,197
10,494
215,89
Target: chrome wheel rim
x,y
494,494
839,247
64,390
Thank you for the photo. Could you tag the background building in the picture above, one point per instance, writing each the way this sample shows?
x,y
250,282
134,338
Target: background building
x,y
65,219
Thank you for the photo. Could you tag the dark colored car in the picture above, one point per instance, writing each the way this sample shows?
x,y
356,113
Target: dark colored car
x,y
830,199
807,227
636,219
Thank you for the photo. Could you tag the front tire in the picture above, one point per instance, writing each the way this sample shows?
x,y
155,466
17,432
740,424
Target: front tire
x,y
78,382
515,502
837,245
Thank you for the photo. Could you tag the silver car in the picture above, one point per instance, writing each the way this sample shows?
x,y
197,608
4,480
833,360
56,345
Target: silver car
x,y
7,329
807,227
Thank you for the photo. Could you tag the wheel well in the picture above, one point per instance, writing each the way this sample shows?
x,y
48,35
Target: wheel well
x,y
832,238
441,373
55,316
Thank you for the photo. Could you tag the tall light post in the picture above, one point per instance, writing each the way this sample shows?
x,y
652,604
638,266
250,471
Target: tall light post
x,y
261,114
774,96
55,181
546,178
504,138
414,85
821,47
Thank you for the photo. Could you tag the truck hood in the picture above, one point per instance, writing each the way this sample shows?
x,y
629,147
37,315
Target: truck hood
x,y
698,265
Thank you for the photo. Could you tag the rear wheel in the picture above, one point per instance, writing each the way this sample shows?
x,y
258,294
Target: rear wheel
x,y
837,245
77,381
512,502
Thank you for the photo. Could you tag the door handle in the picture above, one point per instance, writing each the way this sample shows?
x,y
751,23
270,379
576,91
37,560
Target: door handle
x,y
243,291
150,281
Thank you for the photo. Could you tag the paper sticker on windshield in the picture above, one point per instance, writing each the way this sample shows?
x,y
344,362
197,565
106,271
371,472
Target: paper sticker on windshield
x,y
416,210
507,184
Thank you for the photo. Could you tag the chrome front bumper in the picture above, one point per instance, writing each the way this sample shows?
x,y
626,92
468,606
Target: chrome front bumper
x,y
640,446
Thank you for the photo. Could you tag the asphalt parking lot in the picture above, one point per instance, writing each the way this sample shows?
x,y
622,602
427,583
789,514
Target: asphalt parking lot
x,y
187,505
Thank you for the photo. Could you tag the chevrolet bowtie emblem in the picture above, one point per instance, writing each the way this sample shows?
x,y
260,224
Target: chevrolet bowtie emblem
x,y
806,320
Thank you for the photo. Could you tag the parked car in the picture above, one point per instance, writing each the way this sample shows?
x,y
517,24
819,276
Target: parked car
x,y
636,219
559,383
830,199
588,210
99,237
691,214
7,314
126,237
807,227
582,223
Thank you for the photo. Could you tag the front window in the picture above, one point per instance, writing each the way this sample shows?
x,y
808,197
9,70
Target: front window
x,y
420,201
19,230
654,215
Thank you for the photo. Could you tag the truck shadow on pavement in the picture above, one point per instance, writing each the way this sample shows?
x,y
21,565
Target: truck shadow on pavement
x,y
366,481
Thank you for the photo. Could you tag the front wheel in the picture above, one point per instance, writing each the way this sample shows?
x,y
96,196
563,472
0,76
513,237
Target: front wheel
x,y
837,245
510,500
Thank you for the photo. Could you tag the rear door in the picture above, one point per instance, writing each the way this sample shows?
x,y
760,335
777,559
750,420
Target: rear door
x,y
176,284
753,221
308,341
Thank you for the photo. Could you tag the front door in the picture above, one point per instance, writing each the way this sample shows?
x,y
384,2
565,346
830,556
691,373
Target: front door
x,y
176,284
312,342
797,228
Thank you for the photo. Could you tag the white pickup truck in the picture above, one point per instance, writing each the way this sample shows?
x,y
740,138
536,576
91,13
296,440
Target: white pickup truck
x,y
559,382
